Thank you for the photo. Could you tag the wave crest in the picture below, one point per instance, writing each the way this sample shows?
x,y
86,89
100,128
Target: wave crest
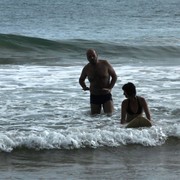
x,y
78,138
16,49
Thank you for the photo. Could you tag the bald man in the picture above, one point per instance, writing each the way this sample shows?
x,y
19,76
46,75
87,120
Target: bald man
x,y
102,78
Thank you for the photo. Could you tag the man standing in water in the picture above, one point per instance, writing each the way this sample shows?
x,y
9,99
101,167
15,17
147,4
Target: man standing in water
x,y
102,78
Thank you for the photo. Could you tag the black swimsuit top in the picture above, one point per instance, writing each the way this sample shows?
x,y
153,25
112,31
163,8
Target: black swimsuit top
x,y
130,112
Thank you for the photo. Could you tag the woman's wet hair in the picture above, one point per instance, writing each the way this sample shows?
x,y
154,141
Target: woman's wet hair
x,y
130,89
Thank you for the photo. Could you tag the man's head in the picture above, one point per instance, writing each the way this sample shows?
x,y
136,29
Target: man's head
x,y
92,56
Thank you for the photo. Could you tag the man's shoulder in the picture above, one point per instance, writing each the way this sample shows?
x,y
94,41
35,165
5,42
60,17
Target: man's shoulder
x,y
103,61
87,67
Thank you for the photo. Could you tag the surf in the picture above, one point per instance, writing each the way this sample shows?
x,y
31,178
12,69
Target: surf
x,y
18,49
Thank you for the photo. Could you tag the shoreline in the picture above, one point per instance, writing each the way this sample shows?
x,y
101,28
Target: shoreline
x,y
132,161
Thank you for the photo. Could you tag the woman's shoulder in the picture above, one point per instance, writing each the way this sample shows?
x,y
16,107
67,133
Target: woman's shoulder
x,y
125,101
141,99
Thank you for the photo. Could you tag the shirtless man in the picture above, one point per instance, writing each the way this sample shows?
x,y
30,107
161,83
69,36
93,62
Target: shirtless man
x,y
102,78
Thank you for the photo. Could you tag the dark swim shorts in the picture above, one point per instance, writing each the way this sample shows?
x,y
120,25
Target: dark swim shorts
x,y
100,99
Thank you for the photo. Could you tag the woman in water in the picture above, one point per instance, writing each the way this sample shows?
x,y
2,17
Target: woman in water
x,y
133,106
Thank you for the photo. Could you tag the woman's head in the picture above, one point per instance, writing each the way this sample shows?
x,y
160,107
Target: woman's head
x,y
129,89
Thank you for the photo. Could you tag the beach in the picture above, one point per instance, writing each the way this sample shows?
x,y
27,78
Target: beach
x,y
46,130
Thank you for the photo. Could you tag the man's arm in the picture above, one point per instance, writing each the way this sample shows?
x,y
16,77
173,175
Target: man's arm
x,y
113,75
82,79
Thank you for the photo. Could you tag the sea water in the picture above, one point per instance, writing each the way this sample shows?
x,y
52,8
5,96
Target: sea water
x,y
45,123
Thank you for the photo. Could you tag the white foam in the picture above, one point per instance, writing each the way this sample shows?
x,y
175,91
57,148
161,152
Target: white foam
x,y
75,138
44,107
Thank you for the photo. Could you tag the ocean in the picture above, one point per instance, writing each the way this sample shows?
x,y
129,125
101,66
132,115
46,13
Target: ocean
x,y
46,130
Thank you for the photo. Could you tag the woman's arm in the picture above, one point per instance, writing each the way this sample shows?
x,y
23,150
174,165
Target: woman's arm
x,y
146,109
123,112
